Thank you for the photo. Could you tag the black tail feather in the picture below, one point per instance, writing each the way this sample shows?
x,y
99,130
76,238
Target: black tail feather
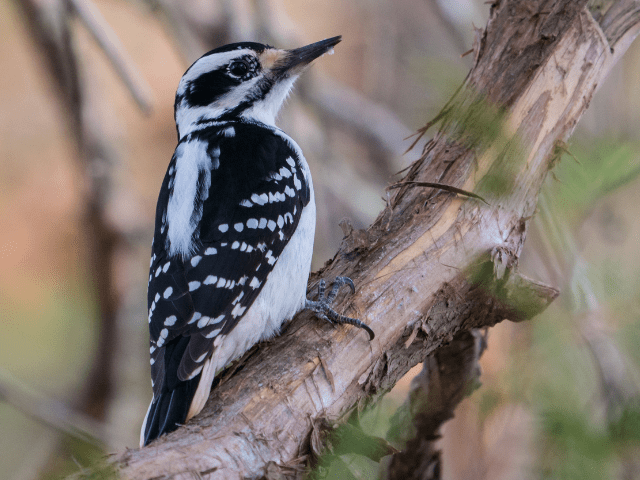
x,y
169,410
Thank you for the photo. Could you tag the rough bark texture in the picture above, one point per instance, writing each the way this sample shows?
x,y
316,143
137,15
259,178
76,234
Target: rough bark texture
x,y
430,267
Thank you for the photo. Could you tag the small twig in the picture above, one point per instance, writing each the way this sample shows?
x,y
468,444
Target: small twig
x,y
420,133
440,186
561,147
327,373
49,412
443,113
108,41
468,52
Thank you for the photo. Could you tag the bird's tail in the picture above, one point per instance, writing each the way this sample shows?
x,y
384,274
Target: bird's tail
x,y
168,410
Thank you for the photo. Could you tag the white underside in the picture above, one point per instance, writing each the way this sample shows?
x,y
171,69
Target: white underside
x,y
283,296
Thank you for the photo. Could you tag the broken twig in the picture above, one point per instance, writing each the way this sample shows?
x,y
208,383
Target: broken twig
x,y
440,186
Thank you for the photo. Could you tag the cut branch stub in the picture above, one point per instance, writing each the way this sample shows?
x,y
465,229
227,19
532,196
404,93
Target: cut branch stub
x,y
430,266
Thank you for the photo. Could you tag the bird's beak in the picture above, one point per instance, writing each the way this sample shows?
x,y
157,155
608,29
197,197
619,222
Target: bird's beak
x,y
291,62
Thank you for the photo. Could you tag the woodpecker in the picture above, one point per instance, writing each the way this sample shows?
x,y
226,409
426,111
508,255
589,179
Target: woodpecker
x,y
234,227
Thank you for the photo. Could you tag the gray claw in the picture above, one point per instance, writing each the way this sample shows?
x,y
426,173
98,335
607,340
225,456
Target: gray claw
x,y
347,281
322,306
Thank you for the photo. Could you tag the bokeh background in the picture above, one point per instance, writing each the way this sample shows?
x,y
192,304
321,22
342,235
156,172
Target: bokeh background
x,y
560,394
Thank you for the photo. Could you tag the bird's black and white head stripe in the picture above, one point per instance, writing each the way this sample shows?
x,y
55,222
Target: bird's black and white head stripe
x,y
242,80
235,216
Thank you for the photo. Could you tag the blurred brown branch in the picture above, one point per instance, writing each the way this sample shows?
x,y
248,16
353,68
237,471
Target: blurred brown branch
x,y
373,123
431,266
51,413
104,36
50,24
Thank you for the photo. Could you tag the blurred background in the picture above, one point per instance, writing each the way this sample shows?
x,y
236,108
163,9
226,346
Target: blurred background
x,y
86,133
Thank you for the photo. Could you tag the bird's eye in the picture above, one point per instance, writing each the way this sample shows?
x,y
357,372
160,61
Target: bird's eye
x,y
238,69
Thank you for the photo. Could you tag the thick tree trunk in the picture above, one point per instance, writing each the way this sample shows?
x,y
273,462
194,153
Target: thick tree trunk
x,y
432,265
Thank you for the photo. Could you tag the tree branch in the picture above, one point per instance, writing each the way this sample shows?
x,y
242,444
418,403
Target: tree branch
x,y
449,374
50,24
430,267
110,44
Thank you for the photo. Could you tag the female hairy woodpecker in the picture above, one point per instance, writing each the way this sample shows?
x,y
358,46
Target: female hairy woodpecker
x,y
234,227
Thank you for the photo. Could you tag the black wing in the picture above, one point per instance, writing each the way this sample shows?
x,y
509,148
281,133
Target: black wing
x,y
252,206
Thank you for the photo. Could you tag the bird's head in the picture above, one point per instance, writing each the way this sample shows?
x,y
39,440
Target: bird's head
x,y
241,80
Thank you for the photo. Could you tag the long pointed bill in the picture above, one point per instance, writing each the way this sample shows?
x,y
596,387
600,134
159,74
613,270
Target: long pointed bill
x,y
293,61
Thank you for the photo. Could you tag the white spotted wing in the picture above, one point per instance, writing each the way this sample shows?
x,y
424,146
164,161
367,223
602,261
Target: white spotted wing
x,y
231,199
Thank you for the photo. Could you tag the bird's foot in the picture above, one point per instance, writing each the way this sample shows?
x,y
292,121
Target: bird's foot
x,y
322,306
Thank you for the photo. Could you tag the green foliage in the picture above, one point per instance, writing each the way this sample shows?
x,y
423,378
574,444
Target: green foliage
x,y
351,458
83,461
571,447
626,429
585,429
489,399
347,467
589,170
50,348
475,121
557,379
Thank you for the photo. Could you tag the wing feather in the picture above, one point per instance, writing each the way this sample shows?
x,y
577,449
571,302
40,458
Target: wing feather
x,y
256,193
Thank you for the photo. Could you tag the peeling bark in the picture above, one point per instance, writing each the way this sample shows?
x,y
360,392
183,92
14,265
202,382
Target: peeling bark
x,y
431,267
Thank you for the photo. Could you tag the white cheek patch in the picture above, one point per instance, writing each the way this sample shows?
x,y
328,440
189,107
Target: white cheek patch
x,y
266,110
187,117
